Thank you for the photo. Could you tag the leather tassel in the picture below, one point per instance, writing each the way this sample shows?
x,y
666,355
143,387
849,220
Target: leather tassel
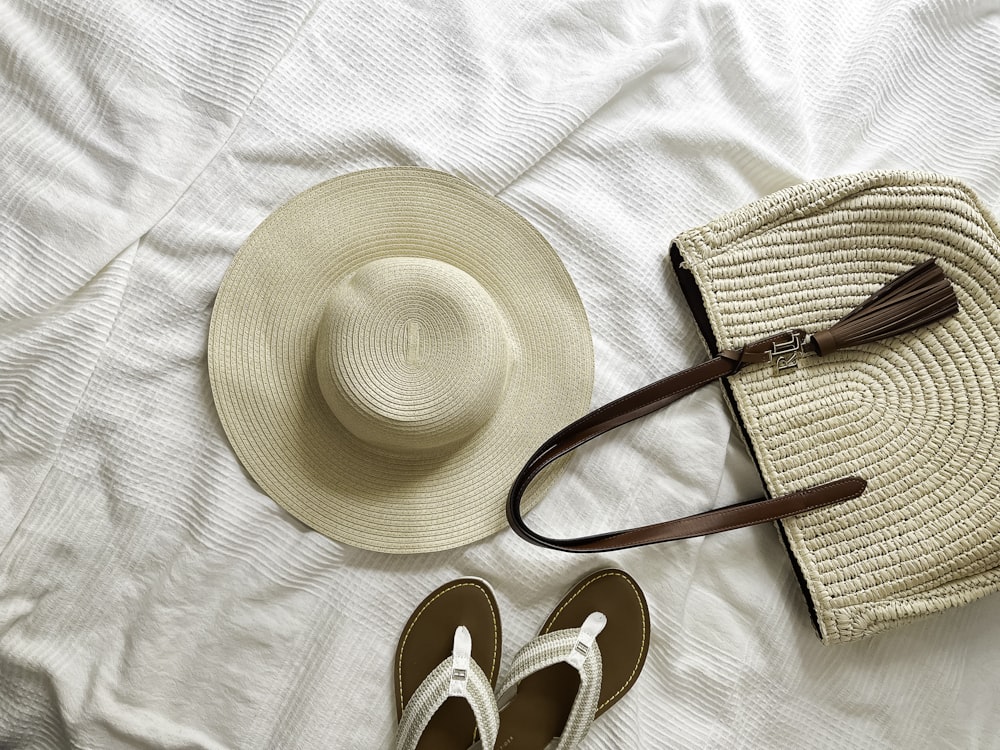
x,y
920,296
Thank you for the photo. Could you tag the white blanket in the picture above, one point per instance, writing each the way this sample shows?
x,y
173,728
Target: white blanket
x,y
151,596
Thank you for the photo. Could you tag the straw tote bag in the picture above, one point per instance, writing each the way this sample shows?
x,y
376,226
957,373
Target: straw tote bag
x,y
853,322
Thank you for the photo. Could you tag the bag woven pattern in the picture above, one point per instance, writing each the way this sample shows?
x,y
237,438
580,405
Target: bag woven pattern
x,y
915,415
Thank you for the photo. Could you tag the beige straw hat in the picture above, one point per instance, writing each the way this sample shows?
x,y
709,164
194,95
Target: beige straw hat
x,y
386,350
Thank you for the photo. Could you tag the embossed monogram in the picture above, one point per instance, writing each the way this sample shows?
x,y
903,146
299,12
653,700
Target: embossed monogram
x,y
784,355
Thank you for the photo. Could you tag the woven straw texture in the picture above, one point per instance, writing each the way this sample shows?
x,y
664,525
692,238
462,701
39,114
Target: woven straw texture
x,y
386,351
915,415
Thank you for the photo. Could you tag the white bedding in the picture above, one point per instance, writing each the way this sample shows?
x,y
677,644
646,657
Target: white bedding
x,y
151,596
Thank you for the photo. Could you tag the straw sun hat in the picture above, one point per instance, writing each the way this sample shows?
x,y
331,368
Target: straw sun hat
x,y
386,350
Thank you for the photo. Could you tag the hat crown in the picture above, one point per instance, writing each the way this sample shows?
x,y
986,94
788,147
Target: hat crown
x,y
412,354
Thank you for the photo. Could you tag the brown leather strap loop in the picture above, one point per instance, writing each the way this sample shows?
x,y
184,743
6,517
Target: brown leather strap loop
x,y
644,401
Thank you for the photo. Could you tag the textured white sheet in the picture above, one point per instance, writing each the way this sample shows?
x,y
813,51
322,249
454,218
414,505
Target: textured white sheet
x,y
151,596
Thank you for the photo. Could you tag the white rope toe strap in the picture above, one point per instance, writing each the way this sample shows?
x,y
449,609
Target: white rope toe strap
x,y
457,676
577,647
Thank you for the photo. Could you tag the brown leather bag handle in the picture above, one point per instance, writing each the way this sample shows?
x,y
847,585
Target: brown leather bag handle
x,y
649,399
916,298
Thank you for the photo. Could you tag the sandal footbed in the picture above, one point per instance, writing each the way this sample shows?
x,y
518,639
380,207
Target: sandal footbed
x,y
427,640
538,712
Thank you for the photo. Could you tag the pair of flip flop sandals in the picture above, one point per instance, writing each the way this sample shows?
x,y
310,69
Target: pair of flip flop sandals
x,y
586,656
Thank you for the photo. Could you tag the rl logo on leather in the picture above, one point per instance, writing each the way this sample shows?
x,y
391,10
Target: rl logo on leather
x,y
785,356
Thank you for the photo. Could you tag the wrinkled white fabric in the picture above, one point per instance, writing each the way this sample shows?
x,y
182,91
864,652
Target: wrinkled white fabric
x,y
151,596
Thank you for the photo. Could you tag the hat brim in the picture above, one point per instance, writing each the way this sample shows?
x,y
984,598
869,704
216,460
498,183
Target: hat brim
x,y
262,367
